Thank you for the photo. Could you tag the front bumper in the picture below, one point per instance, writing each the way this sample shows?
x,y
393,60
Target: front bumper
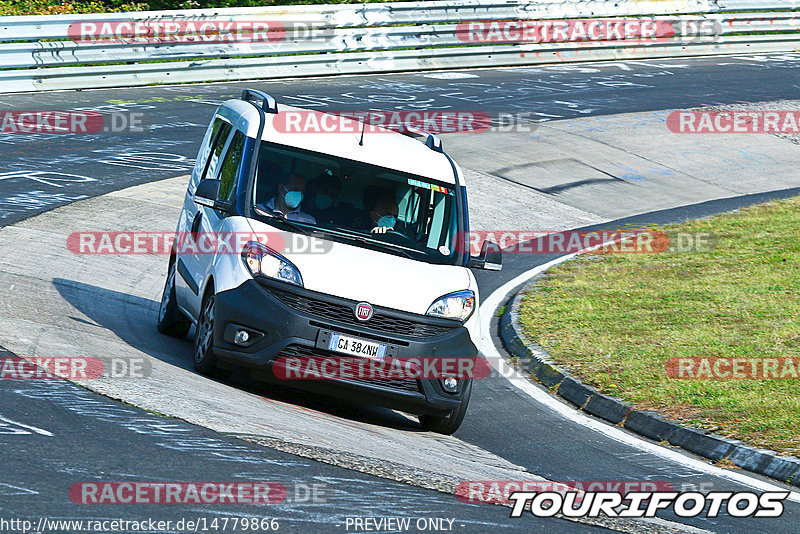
x,y
287,321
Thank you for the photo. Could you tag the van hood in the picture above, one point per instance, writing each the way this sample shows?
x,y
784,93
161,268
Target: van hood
x,y
367,275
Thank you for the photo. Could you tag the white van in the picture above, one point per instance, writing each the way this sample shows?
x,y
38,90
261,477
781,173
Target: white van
x,y
364,256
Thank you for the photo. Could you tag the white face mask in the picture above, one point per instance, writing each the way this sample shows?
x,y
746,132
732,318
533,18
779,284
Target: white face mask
x,y
292,198
323,201
387,221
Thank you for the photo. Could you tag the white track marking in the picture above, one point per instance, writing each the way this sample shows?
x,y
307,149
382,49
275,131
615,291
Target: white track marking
x,y
488,308
28,427
8,490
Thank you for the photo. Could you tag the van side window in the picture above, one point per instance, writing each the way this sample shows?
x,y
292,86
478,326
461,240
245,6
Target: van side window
x,y
229,173
208,142
217,144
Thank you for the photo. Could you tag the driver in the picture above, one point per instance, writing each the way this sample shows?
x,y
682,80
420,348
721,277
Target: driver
x,y
384,216
287,202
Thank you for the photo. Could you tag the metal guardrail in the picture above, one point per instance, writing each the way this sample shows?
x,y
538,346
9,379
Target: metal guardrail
x,y
51,52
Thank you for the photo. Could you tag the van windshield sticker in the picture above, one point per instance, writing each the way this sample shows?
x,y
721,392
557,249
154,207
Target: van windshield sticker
x,y
425,185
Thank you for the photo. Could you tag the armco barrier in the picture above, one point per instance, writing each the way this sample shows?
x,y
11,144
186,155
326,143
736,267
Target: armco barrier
x,y
47,52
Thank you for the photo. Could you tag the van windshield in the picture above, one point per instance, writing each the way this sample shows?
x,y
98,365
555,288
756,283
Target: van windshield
x,y
358,203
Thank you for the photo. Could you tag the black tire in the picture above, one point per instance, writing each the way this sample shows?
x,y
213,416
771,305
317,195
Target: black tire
x,y
171,320
205,361
447,424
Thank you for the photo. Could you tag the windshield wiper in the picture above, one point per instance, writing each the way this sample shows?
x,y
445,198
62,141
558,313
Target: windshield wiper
x,y
378,244
339,233
389,246
269,212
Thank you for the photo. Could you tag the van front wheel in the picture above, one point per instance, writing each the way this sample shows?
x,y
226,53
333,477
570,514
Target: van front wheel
x,y
171,320
205,361
449,423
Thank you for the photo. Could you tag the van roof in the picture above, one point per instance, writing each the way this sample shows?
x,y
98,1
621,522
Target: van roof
x,y
382,147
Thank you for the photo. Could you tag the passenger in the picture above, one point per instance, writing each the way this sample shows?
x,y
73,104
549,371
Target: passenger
x,y
287,202
325,189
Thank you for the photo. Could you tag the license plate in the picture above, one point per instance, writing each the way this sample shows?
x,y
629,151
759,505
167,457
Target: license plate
x,y
357,347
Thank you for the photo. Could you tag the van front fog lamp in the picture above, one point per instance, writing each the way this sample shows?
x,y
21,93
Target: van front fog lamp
x,y
450,384
241,337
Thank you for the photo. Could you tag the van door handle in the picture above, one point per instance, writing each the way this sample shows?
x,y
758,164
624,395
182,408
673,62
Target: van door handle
x,y
196,224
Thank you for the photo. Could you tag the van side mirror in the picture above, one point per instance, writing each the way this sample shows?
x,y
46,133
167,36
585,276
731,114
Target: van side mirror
x,y
490,258
206,195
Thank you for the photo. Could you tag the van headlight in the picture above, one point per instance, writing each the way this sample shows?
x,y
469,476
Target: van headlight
x,y
263,261
458,305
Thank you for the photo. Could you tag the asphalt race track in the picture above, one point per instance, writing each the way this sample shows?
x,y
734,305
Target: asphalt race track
x,y
146,447
95,164
54,434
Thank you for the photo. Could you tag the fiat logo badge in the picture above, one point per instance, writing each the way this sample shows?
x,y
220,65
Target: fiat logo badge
x,y
363,311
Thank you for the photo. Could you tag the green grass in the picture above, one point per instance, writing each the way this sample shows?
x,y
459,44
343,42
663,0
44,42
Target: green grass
x,y
58,7
615,319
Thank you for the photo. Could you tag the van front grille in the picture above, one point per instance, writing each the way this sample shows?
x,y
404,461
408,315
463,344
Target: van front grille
x,y
382,320
301,351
